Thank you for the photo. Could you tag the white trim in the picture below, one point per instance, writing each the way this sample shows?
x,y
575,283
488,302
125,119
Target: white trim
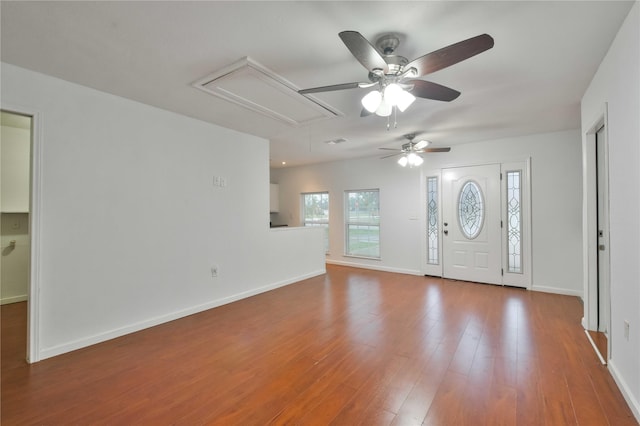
x,y
633,403
374,267
556,290
35,222
595,348
13,299
132,328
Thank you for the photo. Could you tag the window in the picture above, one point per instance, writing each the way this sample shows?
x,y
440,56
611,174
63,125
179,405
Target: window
x,y
432,220
470,210
514,220
362,223
315,212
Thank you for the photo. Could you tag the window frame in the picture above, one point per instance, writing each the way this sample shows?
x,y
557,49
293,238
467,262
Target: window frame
x,y
348,250
317,223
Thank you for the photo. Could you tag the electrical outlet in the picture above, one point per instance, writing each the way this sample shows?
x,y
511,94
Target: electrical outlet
x,y
214,271
626,329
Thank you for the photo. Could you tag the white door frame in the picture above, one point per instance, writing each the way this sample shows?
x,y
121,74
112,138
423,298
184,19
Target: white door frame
x,y
523,279
590,221
33,302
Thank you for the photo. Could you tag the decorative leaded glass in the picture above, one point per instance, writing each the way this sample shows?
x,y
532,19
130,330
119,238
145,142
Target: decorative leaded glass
x,y
470,210
514,228
432,220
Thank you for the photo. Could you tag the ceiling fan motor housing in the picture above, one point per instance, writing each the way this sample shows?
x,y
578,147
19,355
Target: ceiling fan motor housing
x,y
387,43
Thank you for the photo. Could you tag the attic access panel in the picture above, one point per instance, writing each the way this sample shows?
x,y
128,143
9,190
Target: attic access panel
x,y
252,86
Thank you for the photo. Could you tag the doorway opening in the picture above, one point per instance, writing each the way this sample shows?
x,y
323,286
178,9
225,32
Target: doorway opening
x,y
597,297
15,196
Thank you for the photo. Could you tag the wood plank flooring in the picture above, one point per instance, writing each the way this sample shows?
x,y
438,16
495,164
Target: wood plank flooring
x,y
352,347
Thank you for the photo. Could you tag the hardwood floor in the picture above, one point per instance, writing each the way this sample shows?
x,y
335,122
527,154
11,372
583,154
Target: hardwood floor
x,y
347,348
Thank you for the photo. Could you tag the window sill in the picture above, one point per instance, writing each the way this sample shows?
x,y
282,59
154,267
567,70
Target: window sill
x,y
353,256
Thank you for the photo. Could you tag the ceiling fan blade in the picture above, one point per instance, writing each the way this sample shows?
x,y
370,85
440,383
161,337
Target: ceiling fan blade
x,y
331,88
430,90
363,51
447,149
391,149
391,155
447,56
420,145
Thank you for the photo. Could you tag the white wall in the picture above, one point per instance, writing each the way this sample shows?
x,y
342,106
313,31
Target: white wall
x,y
130,221
617,83
556,203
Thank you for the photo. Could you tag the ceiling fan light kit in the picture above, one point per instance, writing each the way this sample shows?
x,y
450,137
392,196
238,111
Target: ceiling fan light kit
x,y
382,102
412,160
405,99
371,101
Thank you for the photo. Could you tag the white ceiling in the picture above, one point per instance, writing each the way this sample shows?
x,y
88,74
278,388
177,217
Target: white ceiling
x,y
545,54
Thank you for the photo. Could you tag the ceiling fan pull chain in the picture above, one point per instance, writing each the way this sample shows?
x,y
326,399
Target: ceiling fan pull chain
x,y
388,123
395,117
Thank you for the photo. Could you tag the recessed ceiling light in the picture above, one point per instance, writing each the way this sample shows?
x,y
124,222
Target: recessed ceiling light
x,y
284,163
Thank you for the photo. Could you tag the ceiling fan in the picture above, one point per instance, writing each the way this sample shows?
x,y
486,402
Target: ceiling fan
x,y
411,151
393,75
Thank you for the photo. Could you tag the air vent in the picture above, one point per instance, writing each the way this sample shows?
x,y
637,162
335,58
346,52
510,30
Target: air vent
x,y
252,86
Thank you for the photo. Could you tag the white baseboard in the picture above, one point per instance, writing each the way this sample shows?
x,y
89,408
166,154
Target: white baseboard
x,y
624,388
374,267
595,348
132,328
13,299
556,290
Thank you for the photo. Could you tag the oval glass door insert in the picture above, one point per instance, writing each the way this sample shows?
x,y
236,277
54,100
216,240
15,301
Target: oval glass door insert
x,y
470,210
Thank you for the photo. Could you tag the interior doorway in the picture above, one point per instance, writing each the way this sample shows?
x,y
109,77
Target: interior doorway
x,y
596,214
15,210
602,191
601,335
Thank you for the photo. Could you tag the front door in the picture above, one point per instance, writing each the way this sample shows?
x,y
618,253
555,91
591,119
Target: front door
x,y
471,224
